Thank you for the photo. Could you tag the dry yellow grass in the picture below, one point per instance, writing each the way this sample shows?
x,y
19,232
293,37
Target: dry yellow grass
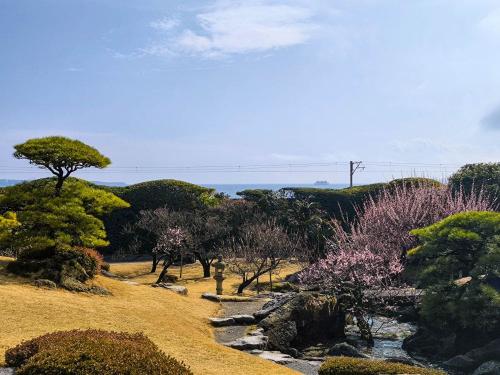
x,y
177,324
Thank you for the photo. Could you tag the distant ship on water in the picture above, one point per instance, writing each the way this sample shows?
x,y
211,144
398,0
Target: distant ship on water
x,y
321,183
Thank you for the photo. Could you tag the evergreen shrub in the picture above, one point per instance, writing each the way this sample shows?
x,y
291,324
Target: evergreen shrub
x,y
92,352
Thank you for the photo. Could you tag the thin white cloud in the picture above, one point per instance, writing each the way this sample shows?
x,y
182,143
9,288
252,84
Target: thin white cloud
x,y
239,27
165,24
73,69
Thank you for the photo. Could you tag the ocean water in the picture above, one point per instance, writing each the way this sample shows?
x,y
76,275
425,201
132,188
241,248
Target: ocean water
x,y
232,189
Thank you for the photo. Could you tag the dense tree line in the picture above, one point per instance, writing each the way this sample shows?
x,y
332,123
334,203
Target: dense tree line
x,y
174,221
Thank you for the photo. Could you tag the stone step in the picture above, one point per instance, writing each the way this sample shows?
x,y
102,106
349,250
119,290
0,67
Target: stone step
x,y
249,343
232,320
222,322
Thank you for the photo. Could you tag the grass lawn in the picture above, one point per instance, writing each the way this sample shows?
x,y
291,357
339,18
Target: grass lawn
x,y
177,324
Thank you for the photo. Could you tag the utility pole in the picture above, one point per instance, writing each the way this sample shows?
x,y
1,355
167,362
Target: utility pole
x,y
353,167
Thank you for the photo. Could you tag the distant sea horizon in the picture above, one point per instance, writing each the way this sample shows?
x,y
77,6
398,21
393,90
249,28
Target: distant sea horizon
x,y
228,189
232,189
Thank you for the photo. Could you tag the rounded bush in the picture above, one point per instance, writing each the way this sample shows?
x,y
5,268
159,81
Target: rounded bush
x,y
359,366
91,260
92,352
68,267
484,176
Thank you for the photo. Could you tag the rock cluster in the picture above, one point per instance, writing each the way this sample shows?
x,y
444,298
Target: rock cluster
x,y
302,318
484,360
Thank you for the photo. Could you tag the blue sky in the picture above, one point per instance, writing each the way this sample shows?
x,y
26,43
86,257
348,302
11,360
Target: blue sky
x,y
306,83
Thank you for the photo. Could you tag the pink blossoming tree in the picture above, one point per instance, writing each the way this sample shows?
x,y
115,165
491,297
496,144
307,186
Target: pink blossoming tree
x,y
169,247
365,262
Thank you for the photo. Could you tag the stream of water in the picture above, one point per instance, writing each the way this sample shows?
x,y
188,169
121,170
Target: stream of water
x,y
388,336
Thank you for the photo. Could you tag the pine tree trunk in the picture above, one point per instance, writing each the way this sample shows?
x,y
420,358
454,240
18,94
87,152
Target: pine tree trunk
x,y
59,185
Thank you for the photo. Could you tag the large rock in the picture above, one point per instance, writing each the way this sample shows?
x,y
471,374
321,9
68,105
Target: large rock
x,y
304,318
179,289
460,363
488,368
346,350
6,371
439,345
426,343
282,335
490,351
278,300
473,358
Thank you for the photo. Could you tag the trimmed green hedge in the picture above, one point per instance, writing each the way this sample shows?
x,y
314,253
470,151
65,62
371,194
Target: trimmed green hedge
x,y
480,175
173,194
359,366
339,203
92,352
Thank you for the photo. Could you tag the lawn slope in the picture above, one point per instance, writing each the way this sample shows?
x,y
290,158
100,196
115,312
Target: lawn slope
x,y
177,324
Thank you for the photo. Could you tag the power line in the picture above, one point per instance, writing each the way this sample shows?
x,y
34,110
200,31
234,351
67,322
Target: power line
x,y
243,167
386,169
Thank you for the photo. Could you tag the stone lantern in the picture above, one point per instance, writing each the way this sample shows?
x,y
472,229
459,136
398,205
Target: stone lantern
x,y
219,274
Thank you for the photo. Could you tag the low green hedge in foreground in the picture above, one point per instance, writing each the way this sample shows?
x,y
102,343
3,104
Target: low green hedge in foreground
x,y
359,366
92,352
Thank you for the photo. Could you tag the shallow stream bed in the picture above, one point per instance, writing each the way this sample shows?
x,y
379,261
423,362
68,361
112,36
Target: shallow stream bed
x,y
388,336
